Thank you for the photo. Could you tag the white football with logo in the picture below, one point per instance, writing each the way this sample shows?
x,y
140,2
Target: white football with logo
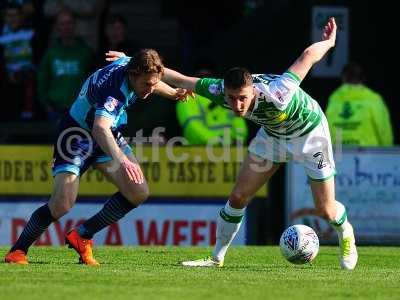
x,y
299,244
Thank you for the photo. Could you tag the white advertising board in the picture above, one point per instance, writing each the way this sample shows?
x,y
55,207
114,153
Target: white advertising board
x,y
367,183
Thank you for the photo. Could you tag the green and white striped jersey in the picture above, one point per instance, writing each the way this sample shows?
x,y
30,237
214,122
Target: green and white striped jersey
x,y
281,106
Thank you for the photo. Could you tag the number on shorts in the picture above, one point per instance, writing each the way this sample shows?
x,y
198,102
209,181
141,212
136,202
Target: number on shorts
x,y
321,163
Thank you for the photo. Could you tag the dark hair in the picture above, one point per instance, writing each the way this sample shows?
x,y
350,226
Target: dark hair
x,y
145,61
353,73
236,78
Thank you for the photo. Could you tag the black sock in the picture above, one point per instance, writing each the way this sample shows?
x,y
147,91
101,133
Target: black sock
x,y
37,224
114,209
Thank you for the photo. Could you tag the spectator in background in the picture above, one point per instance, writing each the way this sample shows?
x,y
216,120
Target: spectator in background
x,y
203,121
63,68
27,10
16,66
116,38
33,16
88,14
32,11
356,114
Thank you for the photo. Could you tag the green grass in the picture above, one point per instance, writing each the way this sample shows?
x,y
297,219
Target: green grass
x,y
154,273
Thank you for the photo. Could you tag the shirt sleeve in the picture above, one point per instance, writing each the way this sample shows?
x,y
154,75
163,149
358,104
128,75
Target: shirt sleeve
x,y
281,89
212,89
109,108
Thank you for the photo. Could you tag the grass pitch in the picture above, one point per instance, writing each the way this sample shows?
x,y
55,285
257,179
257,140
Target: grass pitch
x,y
154,273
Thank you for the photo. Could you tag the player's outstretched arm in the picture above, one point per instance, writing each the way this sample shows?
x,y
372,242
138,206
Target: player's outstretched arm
x,y
179,80
170,76
169,92
316,51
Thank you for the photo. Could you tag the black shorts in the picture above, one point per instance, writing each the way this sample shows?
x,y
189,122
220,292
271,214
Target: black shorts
x,y
75,150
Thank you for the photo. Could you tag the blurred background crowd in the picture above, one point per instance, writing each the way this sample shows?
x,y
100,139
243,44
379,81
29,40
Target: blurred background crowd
x,y
49,47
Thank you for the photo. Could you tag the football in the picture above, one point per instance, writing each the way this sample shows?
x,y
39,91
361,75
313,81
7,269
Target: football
x,y
299,244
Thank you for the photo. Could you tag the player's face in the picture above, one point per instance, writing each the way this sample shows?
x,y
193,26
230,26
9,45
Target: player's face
x,y
240,100
144,84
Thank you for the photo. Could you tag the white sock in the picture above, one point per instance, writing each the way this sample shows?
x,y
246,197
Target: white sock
x,y
228,224
341,224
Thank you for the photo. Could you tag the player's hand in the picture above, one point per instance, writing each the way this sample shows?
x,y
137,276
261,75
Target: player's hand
x,y
114,55
133,170
329,33
183,94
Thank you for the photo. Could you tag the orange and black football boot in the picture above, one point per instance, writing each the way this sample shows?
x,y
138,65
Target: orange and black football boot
x,y
82,246
16,257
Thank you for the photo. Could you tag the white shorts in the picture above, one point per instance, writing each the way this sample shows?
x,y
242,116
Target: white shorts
x,y
313,150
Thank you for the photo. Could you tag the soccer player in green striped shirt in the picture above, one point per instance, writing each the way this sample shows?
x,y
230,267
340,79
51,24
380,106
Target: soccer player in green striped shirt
x,y
293,127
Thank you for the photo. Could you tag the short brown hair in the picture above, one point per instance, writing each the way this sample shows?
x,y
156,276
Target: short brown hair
x,y
236,78
146,61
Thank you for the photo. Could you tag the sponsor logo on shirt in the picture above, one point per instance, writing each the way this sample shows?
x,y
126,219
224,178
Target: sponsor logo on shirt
x,y
281,117
111,104
107,75
214,89
276,115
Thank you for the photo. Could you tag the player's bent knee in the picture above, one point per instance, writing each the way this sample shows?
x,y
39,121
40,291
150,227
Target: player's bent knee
x,y
141,195
326,212
136,195
59,208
